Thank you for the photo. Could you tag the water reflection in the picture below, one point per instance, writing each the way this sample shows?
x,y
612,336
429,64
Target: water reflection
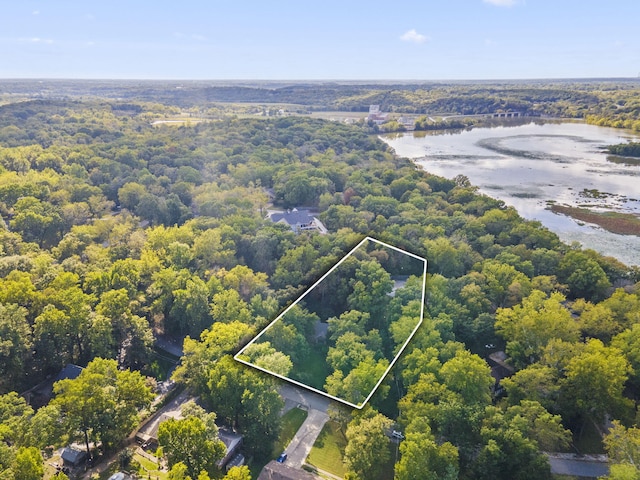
x,y
528,163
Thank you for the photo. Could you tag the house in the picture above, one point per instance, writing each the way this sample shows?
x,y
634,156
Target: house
x,y
500,367
147,436
298,220
72,457
376,116
281,471
41,394
232,441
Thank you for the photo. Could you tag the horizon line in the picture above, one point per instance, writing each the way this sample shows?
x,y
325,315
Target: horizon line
x,y
316,80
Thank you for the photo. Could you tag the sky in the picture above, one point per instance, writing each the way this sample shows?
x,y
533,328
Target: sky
x,y
319,40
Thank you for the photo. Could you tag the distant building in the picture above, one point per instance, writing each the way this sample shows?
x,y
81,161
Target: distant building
x,y
299,220
376,116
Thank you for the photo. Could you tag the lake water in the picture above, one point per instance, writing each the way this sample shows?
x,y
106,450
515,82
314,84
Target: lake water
x,y
527,164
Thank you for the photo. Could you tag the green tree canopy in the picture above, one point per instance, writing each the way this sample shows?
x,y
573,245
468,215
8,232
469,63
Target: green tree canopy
x,y
103,403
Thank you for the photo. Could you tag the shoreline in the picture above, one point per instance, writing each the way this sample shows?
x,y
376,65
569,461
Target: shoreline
x,y
618,223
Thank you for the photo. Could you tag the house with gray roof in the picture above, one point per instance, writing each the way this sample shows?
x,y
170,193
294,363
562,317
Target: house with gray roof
x,y
299,220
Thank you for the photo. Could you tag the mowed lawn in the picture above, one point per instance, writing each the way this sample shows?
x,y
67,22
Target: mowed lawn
x,y
316,369
328,451
291,422
149,469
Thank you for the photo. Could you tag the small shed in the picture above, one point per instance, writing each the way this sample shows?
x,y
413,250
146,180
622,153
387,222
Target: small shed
x,y
73,457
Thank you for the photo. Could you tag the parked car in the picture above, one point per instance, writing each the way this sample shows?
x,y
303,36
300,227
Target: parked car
x,y
282,458
397,434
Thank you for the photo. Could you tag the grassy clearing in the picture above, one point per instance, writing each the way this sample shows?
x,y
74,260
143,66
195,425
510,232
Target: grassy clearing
x,y
328,451
620,223
291,422
315,370
149,469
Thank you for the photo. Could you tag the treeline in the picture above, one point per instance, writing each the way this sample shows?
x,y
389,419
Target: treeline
x,y
424,123
117,231
605,100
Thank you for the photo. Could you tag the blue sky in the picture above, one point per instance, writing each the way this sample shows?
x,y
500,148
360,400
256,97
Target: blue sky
x,y
326,39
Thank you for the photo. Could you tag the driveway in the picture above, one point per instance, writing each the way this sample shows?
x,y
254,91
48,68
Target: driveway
x,y
316,406
305,437
304,397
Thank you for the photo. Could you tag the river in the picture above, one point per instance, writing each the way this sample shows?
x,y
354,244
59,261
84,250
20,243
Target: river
x,y
530,164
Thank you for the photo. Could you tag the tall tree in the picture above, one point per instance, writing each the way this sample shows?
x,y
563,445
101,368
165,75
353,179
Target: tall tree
x,y
469,376
527,328
189,441
367,444
424,459
200,356
102,404
594,382
15,346
623,447
246,399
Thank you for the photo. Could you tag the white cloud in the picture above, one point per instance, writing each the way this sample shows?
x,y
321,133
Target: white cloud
x,y
413,37
502,3
48,41
192,36
35,12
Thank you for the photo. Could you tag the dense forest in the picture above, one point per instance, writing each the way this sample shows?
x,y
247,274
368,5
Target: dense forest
x,y
370,304
116,231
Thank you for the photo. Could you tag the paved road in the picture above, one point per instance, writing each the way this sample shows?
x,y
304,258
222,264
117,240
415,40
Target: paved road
x,y
577,467
316,405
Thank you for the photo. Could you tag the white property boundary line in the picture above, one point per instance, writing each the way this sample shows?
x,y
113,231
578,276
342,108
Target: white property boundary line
x,y
404,345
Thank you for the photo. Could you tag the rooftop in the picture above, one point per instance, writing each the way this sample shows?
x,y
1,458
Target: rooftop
x,y
280,471
298,220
